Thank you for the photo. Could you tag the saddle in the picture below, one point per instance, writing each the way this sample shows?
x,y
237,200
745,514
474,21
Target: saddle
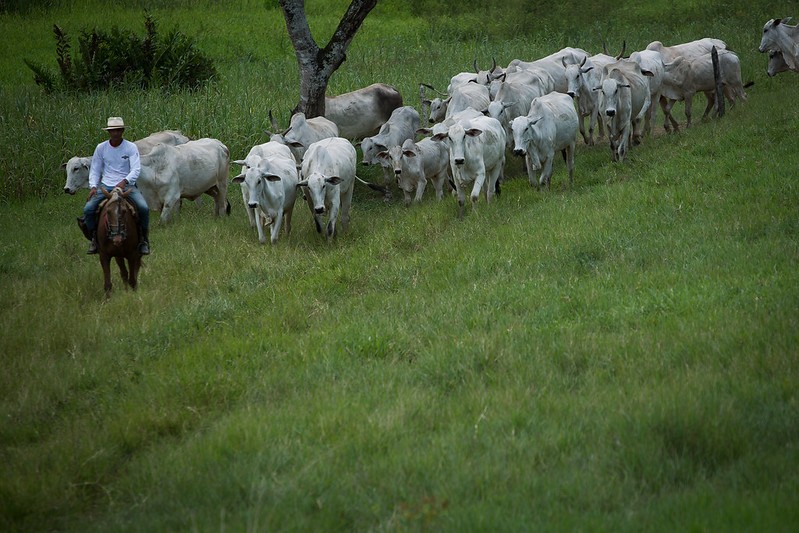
x,y
82,219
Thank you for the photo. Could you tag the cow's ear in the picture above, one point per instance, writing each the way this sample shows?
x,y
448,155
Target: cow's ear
x,y
426,102
440,136
647,73
776,22
627,85
381,148
473,132
271,177
424,131
296,144
409,153
303,183
333,180
238,179
382,155
239,162
63,166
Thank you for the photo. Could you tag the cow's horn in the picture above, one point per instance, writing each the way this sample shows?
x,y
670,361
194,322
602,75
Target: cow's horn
x,y
476,69
494,67
273,122
623,48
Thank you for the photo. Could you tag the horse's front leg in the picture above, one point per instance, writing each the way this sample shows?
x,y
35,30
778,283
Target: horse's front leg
x,y
123,270
105,262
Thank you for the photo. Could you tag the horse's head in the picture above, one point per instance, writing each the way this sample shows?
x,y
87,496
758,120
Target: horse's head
x,y
115,215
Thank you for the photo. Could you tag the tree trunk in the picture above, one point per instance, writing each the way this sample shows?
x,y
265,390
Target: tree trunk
x,y
317,65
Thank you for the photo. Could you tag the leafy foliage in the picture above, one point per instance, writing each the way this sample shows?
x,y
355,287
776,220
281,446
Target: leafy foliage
x,y
120,59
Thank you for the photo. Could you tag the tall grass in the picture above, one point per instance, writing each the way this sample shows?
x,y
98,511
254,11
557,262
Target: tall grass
x,y
620,355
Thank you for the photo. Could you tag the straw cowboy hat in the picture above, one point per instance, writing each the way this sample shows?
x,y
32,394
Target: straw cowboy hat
x,y
115,123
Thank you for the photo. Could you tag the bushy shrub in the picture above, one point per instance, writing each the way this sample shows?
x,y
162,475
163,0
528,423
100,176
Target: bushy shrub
x,y
124,60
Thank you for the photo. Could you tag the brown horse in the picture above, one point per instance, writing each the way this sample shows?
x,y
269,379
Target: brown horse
x,y
118,237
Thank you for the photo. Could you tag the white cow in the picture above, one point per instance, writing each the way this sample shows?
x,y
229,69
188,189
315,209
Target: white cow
x,y
302,132
169,173
476,154
329,180
415,163
513,100
582,79
779,37
687,77
360,113
651,61
256,153
271,186
473,95
549,127
553,64
402,125
78,167
625,90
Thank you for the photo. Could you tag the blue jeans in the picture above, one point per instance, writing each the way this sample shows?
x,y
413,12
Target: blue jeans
x,y
90,209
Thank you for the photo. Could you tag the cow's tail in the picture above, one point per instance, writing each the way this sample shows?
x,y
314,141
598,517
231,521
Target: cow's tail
x,y
374,187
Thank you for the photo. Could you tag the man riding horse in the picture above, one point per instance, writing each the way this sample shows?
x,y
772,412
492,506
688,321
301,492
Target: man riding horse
x,y
116,163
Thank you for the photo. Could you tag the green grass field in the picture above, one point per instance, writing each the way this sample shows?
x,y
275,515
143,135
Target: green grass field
x,y
617,355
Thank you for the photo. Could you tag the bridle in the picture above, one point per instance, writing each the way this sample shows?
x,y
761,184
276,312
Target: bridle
x,y
113,219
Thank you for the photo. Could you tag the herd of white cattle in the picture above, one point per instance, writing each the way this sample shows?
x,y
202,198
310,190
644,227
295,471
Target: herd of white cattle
x,y
532,109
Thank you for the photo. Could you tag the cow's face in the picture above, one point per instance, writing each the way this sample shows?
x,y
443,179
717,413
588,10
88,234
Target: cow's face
x,y
769,39
525,138
77,174
438,110
776,64
573,79
319,187
392,159
612,94
370,149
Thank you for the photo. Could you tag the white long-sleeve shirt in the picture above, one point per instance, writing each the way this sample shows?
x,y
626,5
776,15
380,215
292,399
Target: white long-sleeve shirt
x,y
115,164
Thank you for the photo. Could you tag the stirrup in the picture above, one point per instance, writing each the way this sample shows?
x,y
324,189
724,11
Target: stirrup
x,y
92,247
144,248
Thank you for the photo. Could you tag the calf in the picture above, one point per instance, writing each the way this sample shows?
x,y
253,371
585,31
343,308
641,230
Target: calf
x,y
415,163
169,173
329,172
476,154
549,127
271,189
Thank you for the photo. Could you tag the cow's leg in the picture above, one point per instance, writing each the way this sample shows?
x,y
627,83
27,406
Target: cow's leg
x,y
246,198
568,155
346,203
581,125
287,213
530,170
277,222
262,218
123,270
438,184
689,102
171,205
420,186
479,181
666,104
591,125
388,175
546,170
461,197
